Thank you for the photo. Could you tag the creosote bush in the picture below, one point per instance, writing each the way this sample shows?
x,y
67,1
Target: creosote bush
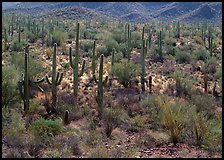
x,y
10,78
125,72
44,129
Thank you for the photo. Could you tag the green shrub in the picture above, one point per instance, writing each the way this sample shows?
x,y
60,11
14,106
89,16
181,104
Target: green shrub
x,y
210,65
201,54
110,44
10,78
152,109
183,57
203,102
118,35
125,72
13,128
35,67
18,46
31,37
44,130
136,39
173,117
112,120
59,37
86,45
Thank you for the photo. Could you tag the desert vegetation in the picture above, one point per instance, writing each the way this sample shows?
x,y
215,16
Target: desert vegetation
x,y
110,89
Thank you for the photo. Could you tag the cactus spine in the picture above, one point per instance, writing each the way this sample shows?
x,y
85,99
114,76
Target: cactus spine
x,y
75,64
56,80
66,117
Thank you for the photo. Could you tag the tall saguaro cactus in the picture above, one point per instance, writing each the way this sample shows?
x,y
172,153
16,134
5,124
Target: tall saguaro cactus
x,y
56,80
178,29
206,82
128,42
94,59
26,83
75,64
160,46
19,39
5,41
100,84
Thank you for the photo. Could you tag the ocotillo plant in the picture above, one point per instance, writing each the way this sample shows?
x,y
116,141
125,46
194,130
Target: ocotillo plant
x,y
26,83
66,117
56,80
75,64
205,82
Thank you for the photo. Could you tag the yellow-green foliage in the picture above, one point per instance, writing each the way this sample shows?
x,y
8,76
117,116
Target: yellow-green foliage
x,y
173,117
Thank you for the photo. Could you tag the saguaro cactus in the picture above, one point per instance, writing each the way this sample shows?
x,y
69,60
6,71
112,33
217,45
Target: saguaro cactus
x,y
26,83
75,64
66,117
206,82
149,38
178,29
160,46
150,84
99,97
56,80
12,25
94,59
129,43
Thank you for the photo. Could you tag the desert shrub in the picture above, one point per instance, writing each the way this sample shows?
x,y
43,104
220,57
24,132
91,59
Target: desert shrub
x,y
152,109
201,54
92,138
102,50
98,152
197,125
122,48
31,37
183,57
18,46
49,52
186,33
110,44
218,76
118,35
44,130
71,34
210,65
86,45
13,128
169,41
56,153
173,117
171,50
10,78
183,84
125,72
136,40
112,120
203,102
35,67
59,37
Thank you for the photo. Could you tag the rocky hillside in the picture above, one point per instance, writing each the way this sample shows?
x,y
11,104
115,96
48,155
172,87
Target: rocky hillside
x,y
130,11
